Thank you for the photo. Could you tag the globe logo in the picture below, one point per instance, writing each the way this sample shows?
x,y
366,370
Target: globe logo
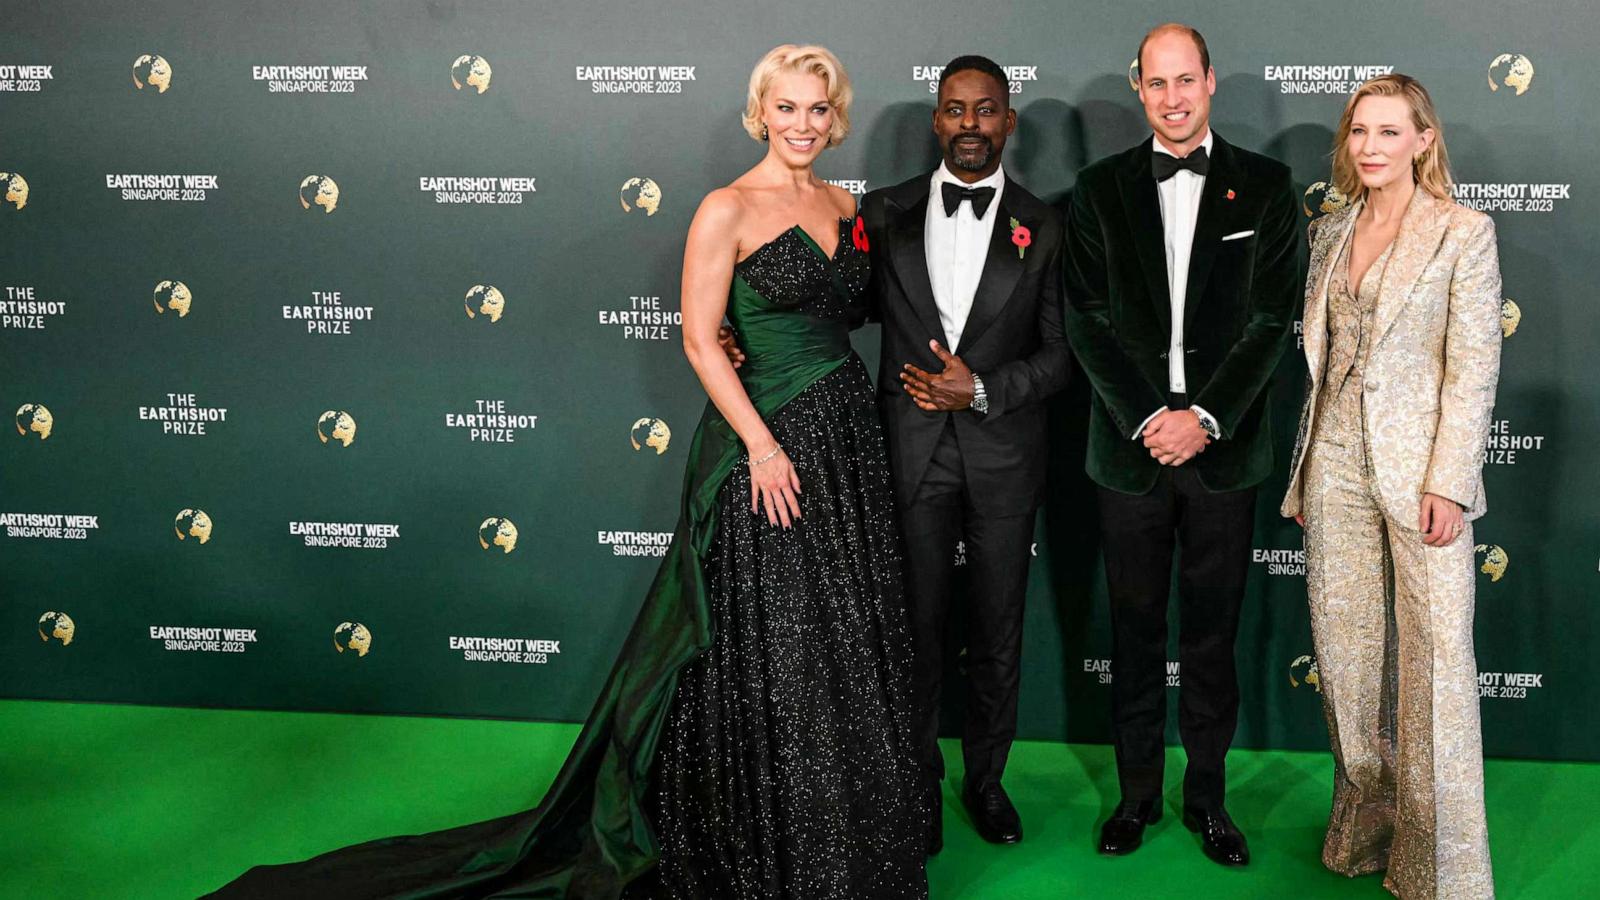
x,y
1510,317
648,432
497,532
487,300
1322,198
16,189
192,523
336,425
56,625
1305,667
319,190
644,193
1512,70
1495,560
153,70
35,418
172,295
352,636
471,71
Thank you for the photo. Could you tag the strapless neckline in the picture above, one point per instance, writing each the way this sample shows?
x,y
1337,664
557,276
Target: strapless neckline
x,y
795,231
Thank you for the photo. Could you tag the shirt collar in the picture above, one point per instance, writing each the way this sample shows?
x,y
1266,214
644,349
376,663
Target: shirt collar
x,y
1162,148
943,174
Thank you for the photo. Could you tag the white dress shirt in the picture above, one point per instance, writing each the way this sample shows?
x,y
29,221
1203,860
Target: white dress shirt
x,y
957,247
1180,208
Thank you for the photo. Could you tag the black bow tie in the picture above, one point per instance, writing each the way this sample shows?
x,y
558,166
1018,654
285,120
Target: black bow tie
x,y
1165,166
955,193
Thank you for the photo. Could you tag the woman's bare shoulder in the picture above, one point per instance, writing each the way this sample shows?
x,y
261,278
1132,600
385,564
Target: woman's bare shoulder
x,y
843,202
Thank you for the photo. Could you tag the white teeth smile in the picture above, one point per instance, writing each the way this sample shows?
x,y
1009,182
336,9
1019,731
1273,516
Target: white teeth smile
x,y
1173,117
801,145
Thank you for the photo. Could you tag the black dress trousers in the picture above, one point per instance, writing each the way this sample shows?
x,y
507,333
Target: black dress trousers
x,y
1211,534
998,548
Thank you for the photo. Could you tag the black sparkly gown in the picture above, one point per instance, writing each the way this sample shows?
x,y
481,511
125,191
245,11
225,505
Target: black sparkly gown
x,y
753,740
784,767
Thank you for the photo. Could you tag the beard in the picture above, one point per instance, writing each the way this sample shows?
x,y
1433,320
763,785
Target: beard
x,y
970,158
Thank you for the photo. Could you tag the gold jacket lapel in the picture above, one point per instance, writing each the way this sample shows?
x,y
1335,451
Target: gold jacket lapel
x,y
1421,231
1332,234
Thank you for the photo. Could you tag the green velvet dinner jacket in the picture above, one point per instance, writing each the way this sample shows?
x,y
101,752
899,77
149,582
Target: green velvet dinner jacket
x,y
1245,279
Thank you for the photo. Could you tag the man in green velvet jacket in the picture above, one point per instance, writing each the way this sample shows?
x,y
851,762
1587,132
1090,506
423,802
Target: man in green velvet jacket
x,y
1182,275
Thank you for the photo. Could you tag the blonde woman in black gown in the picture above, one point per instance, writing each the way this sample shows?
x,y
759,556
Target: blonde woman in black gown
x,y
753,739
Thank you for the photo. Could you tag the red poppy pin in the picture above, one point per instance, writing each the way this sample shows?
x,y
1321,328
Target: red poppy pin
x,y
858,234
1021,236
1231,195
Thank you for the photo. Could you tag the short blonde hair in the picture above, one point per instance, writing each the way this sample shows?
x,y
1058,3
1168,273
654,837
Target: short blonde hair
x,y
1431,169
812,60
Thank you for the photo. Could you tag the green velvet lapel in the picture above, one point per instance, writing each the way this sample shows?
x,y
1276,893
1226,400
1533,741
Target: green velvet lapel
x,y
1210,224
1142,205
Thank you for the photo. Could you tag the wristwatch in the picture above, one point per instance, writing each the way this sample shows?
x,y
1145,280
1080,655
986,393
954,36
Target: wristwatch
x,y
1208,423
980,397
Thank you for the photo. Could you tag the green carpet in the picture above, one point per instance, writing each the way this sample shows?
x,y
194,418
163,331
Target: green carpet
x,y
104,801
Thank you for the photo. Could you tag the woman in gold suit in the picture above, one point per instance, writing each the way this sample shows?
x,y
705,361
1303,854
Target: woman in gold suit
x,y
1402,342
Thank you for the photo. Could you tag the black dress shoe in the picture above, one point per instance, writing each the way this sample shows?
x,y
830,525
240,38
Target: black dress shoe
x,y
993,816
936,824
1219,837
1124,831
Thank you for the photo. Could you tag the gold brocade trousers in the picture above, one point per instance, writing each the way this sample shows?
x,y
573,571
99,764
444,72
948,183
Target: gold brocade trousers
x,y
1399,683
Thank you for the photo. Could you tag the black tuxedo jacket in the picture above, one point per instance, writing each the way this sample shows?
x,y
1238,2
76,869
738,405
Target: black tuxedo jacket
x,y
1013,340
1241,300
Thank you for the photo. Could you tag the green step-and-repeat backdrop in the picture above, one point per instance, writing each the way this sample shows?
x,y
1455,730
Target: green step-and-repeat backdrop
x,y
343,338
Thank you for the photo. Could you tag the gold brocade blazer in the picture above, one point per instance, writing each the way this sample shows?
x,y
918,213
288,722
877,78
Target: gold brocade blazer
x,y
1432,363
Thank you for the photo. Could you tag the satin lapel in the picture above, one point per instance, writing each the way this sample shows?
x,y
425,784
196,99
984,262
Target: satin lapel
x,y
1421,231
1208,227
1001,270
1143,208
909,251
1313,323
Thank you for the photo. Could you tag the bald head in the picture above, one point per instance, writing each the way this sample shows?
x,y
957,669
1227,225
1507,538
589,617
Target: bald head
x,y
1179,29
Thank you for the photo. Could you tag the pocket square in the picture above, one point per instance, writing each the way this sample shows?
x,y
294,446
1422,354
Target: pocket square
x,y
1238,234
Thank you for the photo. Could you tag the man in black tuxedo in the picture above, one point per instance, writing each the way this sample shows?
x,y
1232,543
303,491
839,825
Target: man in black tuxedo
x,y
1182,271
966,259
